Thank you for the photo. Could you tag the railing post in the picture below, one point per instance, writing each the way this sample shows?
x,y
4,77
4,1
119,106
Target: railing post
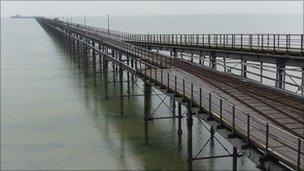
x,y
299,155
197,39
302,42
267,139
175,84
191,93
233,40
144,68
274,47
155,74
287,43
150,73
168,80
200,98
250,41
267,41
233,120
224,40
248,128
262,42
221,111
258,41
210,110
184,89
136,65
161,77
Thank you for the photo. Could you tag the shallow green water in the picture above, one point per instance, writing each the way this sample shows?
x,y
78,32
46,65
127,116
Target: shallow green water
x,y
52,117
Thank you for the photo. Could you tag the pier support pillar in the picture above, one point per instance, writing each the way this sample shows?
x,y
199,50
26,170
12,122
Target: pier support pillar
x,y
280,78
100,60
77,49
200,57
74,48
174,53
85,59
212,60
105,74
113,69
225,64
179,123
173,106
68,44
234,159
128,78
94,63
121,84
261,72
132,75
147,101
244,68
189,138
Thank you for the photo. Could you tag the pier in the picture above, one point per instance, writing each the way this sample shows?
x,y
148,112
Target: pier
x,y
264,122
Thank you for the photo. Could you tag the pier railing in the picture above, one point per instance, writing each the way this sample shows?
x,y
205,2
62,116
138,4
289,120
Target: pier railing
x,y
279,43
285,43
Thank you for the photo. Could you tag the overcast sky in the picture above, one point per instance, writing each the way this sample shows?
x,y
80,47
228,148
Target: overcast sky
x,y
130,8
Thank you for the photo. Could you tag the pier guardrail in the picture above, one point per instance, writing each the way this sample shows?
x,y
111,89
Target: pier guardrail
x,y
281,43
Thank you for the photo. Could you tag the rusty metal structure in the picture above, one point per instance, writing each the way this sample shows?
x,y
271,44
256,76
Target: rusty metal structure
x,y
266,123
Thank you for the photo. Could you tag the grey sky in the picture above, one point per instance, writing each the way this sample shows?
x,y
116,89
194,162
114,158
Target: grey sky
x,y
129,8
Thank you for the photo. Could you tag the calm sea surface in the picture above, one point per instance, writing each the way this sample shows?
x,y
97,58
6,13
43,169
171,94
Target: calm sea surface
x,y
53,118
